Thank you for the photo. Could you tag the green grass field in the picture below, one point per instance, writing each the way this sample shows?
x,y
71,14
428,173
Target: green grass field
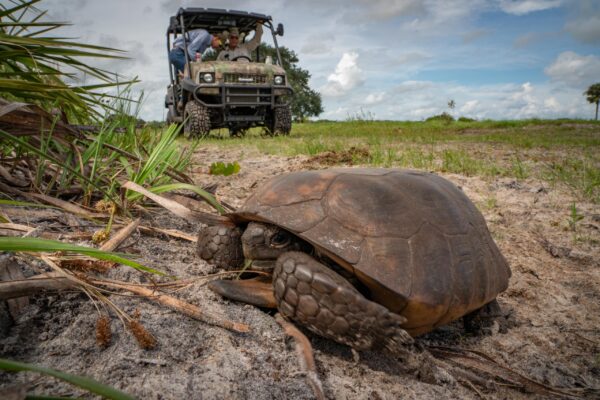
x,y
557,151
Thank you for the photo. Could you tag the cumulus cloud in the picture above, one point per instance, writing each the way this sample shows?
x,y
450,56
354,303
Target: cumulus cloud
x,y
573,69
347,76
375,98
469,106
522,7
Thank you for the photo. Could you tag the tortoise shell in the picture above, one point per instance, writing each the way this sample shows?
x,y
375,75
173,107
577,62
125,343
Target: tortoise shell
x,y
414,239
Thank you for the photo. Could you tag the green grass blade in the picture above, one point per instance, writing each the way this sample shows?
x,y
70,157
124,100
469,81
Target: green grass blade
x,y
83,382
25,4
43,245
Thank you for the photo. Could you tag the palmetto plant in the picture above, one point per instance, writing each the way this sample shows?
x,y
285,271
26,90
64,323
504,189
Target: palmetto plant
x,y
40,149
34,65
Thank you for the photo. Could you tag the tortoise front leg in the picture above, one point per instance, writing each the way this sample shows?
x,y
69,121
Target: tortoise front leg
x,y
327,304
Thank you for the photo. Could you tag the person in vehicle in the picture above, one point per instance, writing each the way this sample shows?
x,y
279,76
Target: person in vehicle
x,y
242,51
198,41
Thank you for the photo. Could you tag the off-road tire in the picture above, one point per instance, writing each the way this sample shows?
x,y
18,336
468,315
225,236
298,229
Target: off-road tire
x,y
281,122
196,120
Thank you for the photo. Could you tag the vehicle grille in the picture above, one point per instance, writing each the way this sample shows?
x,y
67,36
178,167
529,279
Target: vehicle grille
x,y
245,78
248,96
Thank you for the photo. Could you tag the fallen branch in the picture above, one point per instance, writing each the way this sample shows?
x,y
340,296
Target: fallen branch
x,y
26,287
120,236
16,227
305,354
178,305
57,281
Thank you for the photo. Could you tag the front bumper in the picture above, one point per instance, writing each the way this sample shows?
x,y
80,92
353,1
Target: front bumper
x,y
237,95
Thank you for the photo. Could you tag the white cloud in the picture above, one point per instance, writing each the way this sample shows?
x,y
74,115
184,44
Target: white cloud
x,y
573,69
522,7
347,76
470,106
381,56
498,101
375,98
552,104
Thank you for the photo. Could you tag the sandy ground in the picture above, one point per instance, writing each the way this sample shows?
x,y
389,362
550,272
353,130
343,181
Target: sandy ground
x,y
552,304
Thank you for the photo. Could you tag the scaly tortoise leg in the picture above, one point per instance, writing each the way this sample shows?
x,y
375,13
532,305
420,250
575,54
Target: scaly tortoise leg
x,y
310,293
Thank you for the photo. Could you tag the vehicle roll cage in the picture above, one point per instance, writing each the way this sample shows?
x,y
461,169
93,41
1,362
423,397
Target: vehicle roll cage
x,y
215,21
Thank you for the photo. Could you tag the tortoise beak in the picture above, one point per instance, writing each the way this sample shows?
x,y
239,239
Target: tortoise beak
x,y
262,265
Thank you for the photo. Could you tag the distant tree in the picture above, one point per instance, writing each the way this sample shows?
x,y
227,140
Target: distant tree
x,y
306,101
593,96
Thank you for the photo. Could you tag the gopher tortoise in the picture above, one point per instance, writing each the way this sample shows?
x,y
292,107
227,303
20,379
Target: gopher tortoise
x,y
367,257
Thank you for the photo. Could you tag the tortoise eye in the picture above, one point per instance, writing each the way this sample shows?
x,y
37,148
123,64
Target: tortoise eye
x,y
280,239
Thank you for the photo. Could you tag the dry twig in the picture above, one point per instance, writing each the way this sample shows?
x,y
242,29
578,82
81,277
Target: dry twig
x,y
305,354
178,305
120,237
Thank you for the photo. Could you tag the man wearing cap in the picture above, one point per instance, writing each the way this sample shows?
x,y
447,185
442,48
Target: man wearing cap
x,y
236,50
198,41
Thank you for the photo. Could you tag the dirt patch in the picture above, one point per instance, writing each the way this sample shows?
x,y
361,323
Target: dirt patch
x,y
351,156
553,307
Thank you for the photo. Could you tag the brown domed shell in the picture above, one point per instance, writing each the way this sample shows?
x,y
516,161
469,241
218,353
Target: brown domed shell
x,y
413,238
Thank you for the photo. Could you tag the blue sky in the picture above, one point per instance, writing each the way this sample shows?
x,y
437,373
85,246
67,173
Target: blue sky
x,y
394,59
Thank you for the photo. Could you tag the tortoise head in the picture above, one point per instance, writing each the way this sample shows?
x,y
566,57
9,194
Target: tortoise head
x,y
226,247
263,243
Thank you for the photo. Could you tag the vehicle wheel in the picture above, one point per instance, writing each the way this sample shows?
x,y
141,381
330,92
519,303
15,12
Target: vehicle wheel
x,y
281,123
169,118
196,120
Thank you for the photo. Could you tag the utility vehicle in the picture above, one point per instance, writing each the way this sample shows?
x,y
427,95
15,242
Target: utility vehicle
x,y
236,94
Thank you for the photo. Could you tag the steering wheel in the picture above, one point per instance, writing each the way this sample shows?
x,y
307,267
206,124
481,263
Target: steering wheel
x,y
240,57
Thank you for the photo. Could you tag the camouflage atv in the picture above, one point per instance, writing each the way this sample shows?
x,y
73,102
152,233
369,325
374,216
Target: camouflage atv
x,y
228,94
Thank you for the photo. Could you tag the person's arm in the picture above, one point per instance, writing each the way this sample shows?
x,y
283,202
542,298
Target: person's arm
x,y
255,42
197,43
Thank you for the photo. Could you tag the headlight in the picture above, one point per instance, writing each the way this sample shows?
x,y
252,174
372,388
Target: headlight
x,y
208,78
278,80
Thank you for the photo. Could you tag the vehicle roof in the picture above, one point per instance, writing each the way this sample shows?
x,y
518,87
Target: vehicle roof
x,y
215,20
